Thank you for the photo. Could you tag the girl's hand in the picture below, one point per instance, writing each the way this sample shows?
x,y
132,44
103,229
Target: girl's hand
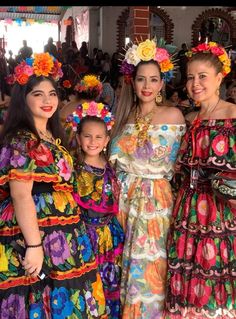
x,y
33,261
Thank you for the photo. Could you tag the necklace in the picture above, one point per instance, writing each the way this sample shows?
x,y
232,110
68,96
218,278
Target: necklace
x,y
97,171
142,124
46,136
213,109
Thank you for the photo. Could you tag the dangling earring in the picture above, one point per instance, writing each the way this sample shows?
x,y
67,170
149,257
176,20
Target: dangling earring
x,y
158,98
104,149
218,91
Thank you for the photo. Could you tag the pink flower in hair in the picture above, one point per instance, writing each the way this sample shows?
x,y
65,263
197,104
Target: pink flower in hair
x,y
217,51
93,109
161,55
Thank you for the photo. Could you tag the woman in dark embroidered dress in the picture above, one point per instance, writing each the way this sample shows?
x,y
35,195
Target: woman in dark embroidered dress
x,y
201,280
37,209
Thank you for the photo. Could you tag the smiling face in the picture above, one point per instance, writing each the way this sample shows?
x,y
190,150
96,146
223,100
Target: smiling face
x,y
42,101
203,81
147,82
93,138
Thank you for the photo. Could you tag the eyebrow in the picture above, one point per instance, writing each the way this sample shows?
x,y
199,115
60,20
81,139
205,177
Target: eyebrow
x,y
41,91
151,76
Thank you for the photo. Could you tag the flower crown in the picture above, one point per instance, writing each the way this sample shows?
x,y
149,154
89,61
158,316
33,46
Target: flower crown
x,y
92,109
42,64
217,50
146,51
89,83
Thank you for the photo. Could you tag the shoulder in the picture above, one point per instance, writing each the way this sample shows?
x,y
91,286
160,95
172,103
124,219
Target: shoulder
x,y
229,109
171,115
191,116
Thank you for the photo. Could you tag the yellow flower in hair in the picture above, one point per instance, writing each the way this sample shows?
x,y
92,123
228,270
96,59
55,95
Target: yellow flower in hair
x,y
85,106
43,64
100,106
146,50
212,44
91,80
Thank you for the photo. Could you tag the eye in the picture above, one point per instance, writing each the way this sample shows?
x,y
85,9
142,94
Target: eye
x,y
154,80
202,76
139,79
189,77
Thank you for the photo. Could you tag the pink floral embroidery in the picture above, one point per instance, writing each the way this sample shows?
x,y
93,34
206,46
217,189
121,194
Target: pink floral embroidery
x,y
224,251
206,253
206,209
65,169
220,145
199,292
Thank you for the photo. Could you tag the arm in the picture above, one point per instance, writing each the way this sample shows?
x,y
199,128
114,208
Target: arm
x,y
27,220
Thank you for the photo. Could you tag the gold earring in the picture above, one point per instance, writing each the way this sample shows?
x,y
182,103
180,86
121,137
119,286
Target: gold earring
x,y
218,92
158,98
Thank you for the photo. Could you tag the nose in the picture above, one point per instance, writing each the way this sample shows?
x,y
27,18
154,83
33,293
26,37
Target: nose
x,y
92,140
195,81
47,99
146,84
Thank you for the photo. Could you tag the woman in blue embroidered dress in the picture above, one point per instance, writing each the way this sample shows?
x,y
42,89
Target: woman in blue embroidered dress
x,y
38,211
201,281
147,136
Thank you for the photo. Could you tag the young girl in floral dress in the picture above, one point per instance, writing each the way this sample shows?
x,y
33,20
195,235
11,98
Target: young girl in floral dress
x,y
97,194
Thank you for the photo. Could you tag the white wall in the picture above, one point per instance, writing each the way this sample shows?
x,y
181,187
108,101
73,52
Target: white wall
x,y
183,18
108,27
73,12
103,27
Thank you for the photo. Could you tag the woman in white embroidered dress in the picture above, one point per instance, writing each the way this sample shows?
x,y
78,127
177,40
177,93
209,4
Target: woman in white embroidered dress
x,y
145,142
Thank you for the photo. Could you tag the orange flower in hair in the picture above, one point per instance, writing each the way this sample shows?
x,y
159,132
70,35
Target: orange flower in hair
x,y
43,64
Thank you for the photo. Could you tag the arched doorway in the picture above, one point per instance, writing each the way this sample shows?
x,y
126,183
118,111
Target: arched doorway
x,y
161,24
214,25
122,25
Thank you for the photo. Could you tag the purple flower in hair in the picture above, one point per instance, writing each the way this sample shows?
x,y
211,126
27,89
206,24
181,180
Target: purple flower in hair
x,y
126,68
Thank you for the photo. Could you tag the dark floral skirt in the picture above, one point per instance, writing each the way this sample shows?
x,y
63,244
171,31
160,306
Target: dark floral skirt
x,y
73,289
107,238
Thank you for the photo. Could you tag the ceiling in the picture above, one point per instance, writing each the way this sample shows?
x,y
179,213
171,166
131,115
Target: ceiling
x,y
33,12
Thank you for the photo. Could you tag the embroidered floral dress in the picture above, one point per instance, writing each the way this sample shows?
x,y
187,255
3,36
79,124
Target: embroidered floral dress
x,y
74,288
97,195
202,241
145,206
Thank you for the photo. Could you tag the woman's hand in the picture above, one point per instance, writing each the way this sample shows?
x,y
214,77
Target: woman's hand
x,y
33,261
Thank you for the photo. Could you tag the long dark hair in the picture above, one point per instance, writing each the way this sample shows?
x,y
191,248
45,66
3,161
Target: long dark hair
x,y
19,116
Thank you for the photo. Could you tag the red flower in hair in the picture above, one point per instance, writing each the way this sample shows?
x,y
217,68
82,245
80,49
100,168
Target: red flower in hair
x,y
66,84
